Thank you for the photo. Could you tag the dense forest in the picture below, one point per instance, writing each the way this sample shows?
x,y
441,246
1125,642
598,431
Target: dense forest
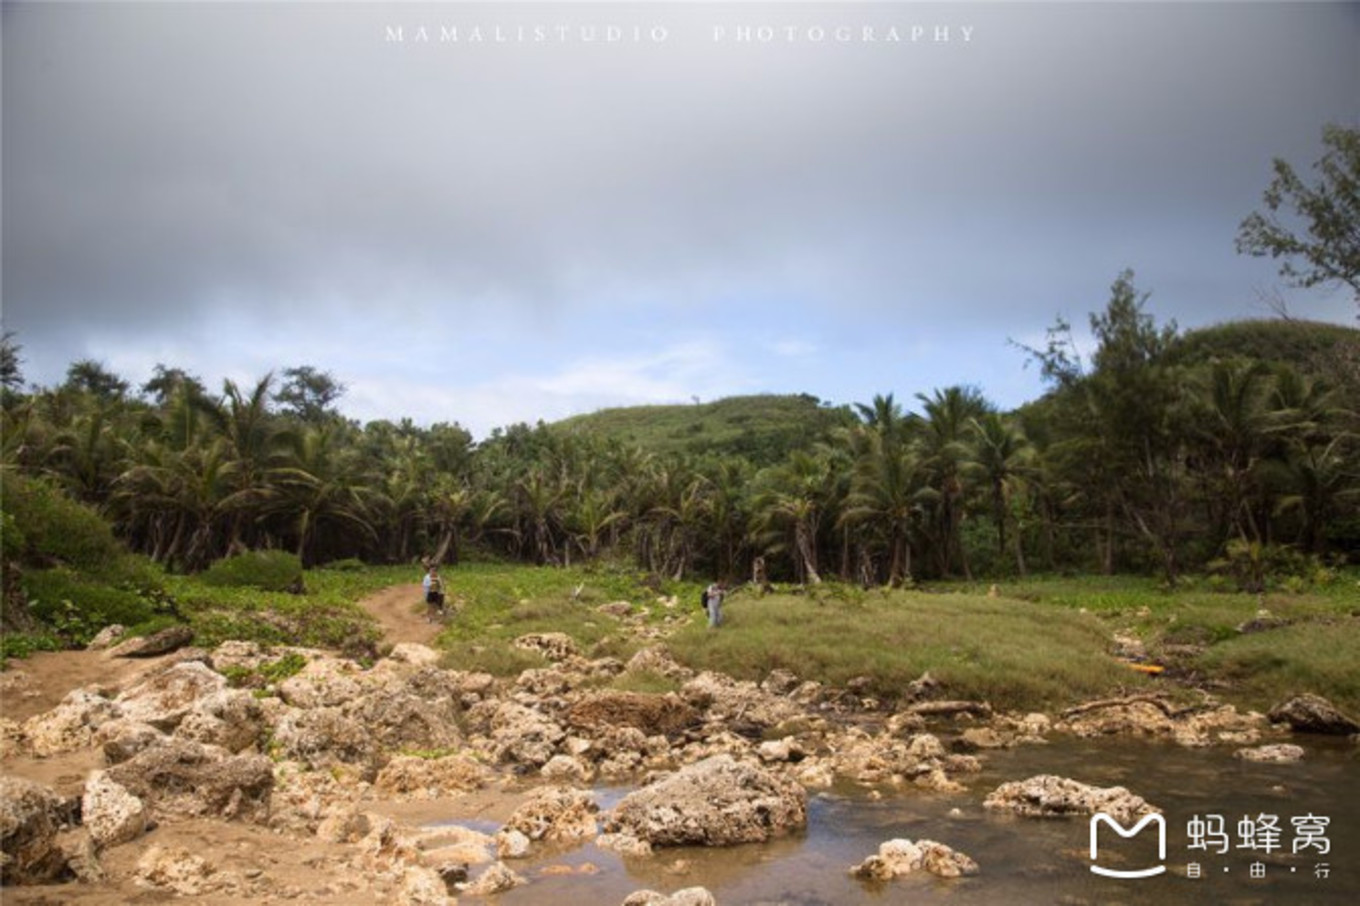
x,y
1229,449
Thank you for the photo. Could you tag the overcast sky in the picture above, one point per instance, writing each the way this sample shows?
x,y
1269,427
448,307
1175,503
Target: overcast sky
x,y
509,212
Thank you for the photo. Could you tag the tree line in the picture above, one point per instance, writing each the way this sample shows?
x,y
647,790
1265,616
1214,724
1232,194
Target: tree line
x,y
1136,460
1158,453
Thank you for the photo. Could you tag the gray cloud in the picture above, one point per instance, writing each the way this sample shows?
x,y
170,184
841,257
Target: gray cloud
x,y
164,162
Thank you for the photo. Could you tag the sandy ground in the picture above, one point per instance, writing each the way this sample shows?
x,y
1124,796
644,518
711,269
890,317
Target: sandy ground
x,y
274,868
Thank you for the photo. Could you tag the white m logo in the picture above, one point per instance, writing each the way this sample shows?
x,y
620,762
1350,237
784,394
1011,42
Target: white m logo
x,y
1098,817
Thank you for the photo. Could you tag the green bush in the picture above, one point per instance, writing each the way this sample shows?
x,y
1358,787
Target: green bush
x,y
76,608
43,526
265,570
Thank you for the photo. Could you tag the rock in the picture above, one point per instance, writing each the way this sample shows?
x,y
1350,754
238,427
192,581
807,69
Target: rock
x,y
325,682
554,646
523,735
565,768
166,697
1048,795
652,714
70,725
431,778
689,896
418,655
158,643
106,637
618,609
322,737
347,825
658,661
112,814
176,869
78,851
230,718
497,878
1310,713
512,844
624,844
1275,754
900,857
187,778
398,719
421,886
123,739
716,802
31,816
556,814
780,682
740,705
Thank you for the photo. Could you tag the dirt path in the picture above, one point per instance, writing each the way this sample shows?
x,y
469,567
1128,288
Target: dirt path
x,y
400,610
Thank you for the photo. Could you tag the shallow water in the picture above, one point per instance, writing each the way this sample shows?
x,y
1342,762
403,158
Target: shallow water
x,y
1024,860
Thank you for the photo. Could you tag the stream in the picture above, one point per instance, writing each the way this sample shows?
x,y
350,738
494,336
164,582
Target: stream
x,y
1204,795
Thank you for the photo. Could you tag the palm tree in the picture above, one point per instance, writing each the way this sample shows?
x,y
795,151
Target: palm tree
x,y
948,414
1000,459
320,486
886,493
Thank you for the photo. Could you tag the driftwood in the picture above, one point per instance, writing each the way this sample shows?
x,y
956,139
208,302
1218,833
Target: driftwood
x,y
949,709
1148,699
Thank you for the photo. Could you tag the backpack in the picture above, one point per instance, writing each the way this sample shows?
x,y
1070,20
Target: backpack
x,y
703,599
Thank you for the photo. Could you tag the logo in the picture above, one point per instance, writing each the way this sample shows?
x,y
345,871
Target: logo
x,y
1099,817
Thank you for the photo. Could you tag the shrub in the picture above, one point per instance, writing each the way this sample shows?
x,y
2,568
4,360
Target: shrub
x,y
76,608
265,570
44,527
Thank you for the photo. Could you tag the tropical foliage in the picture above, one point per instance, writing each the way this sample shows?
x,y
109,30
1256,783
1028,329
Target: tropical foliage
x,y
1158,453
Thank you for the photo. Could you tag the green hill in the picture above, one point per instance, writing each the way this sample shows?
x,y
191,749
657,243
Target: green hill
x,y
764,429
1311,346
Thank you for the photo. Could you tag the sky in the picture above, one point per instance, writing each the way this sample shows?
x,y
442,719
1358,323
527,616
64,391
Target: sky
x,y
506,212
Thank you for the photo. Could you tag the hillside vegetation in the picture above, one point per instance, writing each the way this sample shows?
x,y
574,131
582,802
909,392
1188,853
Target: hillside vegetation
x,y
763,429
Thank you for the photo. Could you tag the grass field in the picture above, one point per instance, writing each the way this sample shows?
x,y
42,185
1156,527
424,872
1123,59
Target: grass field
x,y
1041,643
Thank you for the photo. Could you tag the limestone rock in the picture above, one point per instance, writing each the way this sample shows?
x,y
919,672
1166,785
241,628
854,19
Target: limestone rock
x,y
69,726
164,698
413,777
716,802
556,814
497,878
112,814
178,870
417,655
31,816
554,646
1048,795
187,778
899,857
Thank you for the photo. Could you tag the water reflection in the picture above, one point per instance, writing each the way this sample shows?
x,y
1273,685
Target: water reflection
x,y
1023,860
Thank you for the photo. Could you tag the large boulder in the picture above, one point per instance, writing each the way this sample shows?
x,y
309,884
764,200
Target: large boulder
x,y
716,802
1047,795
522,735
409,776
182,777
166,697
31,817
397,719
1310,713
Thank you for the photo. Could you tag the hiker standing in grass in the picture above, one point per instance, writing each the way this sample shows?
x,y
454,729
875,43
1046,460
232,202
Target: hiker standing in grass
x,y
713,598
434,594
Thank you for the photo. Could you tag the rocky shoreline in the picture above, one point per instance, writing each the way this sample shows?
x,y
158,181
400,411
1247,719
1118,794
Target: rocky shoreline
x,y
294,785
